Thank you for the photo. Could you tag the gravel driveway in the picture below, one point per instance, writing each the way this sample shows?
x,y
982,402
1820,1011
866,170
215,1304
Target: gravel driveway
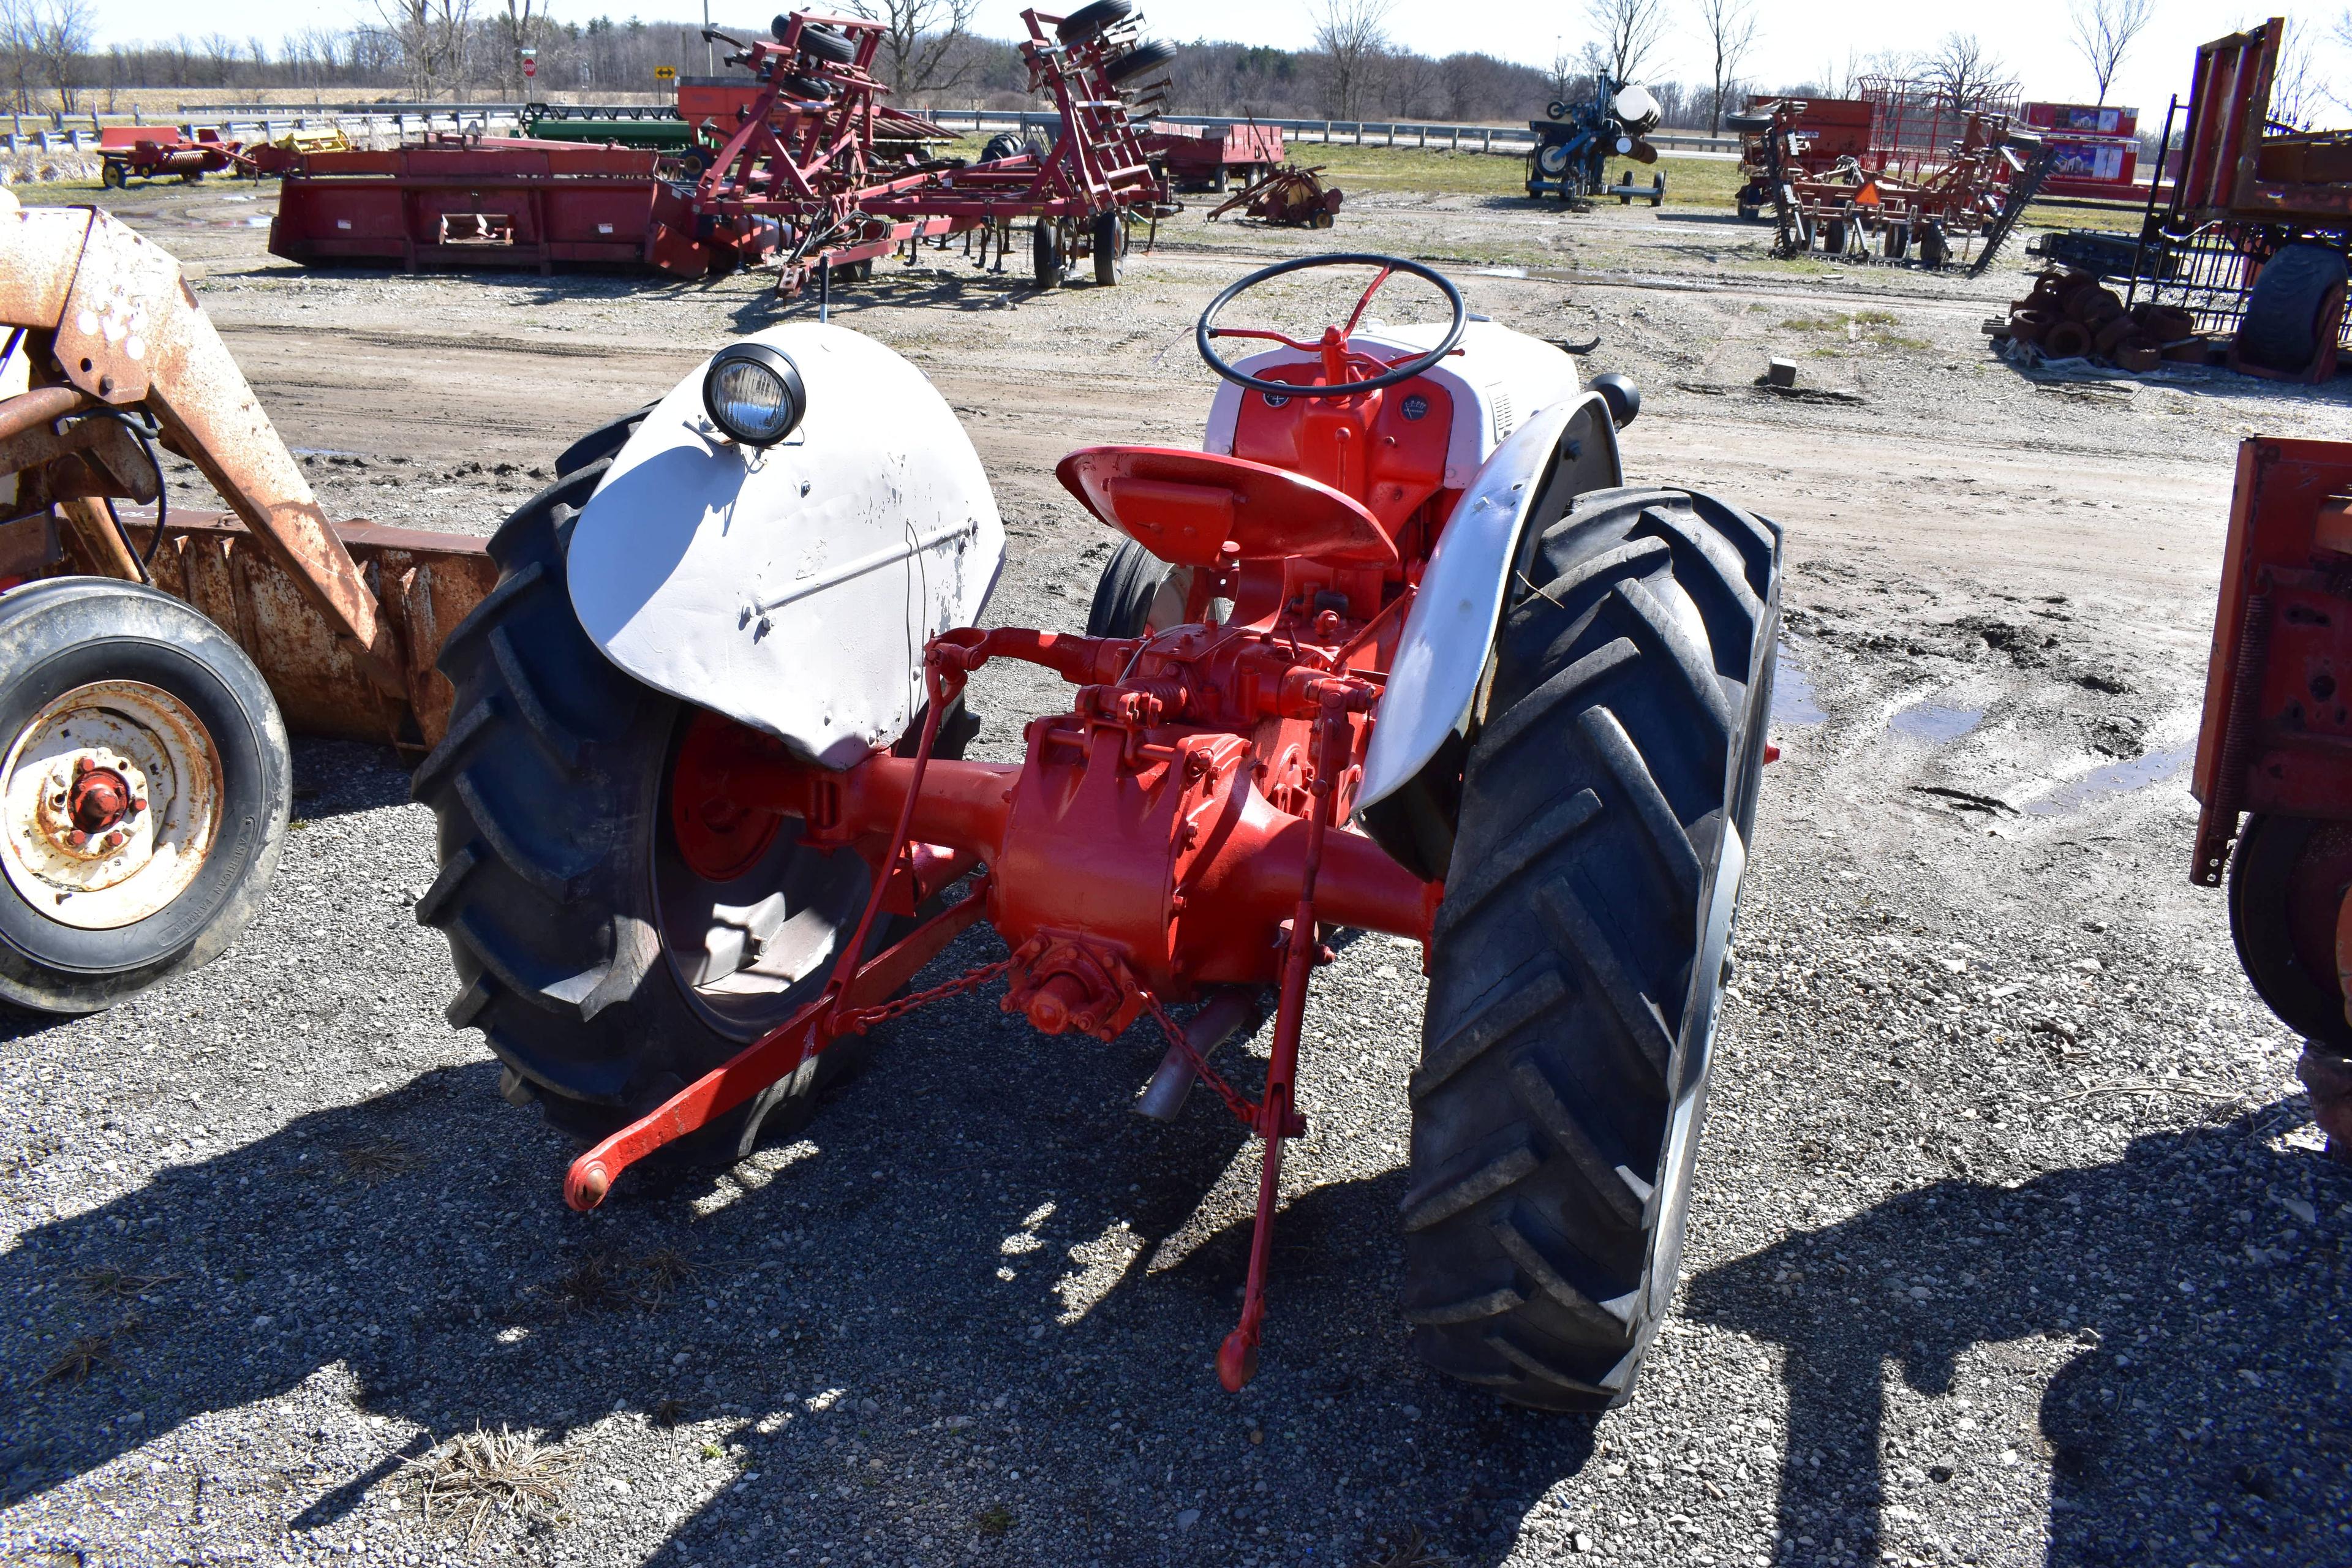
x,y
2011,1245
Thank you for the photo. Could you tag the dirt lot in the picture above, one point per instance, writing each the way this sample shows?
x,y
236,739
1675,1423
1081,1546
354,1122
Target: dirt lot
x,y
2011,1243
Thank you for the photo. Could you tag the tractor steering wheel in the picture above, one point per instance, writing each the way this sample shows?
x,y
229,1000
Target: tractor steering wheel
x,y
1339,362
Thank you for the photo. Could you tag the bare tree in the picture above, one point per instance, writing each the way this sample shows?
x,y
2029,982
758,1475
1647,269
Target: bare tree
x,y
429,36
62,30
1964,73
1731,31
2298,88
922,42
1352,35
1629,30
2104,33
19,53
518,27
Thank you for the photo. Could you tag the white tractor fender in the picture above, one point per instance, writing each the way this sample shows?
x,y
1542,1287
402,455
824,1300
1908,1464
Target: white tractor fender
x,y
793,588
1442,650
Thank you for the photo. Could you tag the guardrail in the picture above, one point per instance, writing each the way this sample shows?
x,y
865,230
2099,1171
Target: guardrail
x,y
1499,139
266,121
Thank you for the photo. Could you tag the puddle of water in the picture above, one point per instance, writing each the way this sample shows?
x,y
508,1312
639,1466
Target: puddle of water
x,y
1792,694
1934,723
1499,271
2116,778
259,222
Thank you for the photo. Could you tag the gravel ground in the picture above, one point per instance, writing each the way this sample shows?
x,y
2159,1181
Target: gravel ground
x,y
2012,1243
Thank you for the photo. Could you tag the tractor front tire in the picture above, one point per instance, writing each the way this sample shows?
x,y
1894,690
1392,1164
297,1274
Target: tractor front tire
x,y
603,969
1579,953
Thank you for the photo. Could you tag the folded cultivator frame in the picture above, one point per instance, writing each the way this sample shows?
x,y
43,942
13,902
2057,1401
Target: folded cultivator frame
x,y
1905,195
792,178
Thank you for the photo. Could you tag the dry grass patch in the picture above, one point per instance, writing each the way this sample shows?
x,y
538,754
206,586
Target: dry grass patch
x,y
81,1357
478,1475
104,1283
375,1161
1412,1551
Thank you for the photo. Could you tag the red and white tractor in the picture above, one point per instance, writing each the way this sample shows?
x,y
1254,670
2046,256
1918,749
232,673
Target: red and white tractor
x,y
1398,650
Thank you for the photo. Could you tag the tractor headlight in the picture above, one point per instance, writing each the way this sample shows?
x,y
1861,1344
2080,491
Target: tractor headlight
x,y
755,394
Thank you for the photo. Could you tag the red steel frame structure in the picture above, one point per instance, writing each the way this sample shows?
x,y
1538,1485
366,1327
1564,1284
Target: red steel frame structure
x,y
1177,835
809,188
796,180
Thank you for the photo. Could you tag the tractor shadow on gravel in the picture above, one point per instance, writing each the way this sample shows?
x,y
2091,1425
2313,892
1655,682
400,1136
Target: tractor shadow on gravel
x,y
2204,1407
935,1281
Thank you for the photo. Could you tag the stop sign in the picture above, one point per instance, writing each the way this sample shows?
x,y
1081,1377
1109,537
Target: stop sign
x,y
531,68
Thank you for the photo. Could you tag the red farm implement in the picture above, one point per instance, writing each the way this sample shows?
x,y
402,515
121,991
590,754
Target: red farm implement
x,y
799,167
2274,753
2254,240
1211,157
483,202
1397,650
1907,195
128,153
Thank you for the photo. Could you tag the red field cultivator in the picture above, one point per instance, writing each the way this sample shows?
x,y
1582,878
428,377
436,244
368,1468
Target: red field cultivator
x,y
795,179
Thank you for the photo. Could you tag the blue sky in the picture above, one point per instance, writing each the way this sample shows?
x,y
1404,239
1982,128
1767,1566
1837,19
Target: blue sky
x,y
2030,36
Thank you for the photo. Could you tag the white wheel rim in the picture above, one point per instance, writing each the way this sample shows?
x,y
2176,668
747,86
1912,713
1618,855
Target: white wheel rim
x,y
139,860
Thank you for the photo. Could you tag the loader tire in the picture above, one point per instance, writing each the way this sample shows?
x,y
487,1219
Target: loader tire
x,y
1579,953
604,973
141,684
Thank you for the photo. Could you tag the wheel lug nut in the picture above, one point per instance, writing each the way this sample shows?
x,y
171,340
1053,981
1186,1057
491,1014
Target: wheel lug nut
x,y
76,838
114,841
81,765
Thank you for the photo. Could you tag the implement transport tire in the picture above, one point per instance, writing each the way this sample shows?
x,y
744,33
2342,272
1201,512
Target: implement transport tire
x,y
1138,60
1581,951
1109,242
137,692
2284,330
1090,19
604,969
2287,878
822,43
1047,260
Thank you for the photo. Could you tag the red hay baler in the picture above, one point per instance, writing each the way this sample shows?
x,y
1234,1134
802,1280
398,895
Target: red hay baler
x,y
1397,651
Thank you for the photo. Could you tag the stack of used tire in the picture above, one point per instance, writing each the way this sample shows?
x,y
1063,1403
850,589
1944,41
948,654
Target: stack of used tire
x,y
2072,315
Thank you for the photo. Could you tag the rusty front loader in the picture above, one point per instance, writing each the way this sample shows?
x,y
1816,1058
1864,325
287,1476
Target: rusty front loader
x,y
151,661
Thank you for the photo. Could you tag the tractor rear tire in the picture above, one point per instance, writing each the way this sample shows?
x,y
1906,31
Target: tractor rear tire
x,y
135,680
602,444
2283,331
1138,595
604,970
1579,954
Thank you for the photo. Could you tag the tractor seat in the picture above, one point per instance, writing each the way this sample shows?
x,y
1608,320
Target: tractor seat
x,y
1201,509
